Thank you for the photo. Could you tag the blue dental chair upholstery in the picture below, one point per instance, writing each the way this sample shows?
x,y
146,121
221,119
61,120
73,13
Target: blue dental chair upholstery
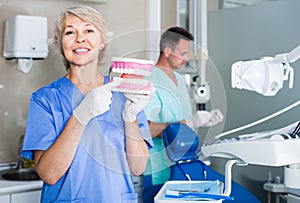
x,y
181,145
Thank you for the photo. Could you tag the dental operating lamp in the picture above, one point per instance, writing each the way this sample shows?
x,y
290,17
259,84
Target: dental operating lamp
x,y
266,75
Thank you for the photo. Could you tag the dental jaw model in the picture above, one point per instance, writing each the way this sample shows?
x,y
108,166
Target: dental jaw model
x,y
130,73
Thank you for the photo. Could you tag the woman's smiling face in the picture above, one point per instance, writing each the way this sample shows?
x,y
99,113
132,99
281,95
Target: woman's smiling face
x,y
81,41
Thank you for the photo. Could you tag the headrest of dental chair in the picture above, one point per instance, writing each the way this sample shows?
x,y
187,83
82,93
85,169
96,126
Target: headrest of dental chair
x,y
180,141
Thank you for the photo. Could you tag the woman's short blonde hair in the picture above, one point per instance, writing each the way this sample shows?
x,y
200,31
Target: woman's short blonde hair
x,y
87,14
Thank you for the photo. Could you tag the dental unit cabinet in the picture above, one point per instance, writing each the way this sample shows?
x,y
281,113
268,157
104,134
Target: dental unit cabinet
x,y
25,39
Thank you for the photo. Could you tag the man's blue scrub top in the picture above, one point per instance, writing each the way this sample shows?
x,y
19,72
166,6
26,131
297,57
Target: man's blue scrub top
x,y
99,171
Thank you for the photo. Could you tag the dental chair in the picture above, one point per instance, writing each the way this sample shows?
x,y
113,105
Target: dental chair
x,y
181,145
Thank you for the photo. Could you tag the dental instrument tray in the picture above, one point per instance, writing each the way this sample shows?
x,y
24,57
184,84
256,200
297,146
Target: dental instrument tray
x,y
191,191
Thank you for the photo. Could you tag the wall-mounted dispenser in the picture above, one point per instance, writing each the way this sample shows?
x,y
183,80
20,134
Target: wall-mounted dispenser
x,y
25,39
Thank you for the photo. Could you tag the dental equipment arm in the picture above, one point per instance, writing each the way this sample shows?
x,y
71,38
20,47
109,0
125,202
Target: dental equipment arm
x,y
290,57
264,151
266,75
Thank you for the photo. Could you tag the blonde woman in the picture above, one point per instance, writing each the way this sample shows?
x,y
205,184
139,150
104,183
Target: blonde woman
x,y
86,140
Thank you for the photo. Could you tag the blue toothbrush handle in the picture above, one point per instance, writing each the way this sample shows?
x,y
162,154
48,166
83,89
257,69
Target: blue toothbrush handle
x,y
200,195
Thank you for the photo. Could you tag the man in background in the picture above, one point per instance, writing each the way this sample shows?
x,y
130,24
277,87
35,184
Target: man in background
x,y
171,104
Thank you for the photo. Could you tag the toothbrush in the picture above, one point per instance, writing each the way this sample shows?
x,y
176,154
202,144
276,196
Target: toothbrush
x,y
181,194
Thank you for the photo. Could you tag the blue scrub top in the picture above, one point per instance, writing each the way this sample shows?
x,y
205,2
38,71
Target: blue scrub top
x,y
99,171
170,104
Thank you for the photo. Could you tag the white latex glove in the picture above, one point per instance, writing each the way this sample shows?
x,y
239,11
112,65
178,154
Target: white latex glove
x,y
135,103
96,102
205,119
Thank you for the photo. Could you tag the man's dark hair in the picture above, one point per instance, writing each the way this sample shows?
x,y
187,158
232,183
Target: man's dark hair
x,y
170,38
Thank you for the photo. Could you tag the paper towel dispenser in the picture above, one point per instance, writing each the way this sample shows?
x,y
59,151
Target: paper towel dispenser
x,y
25,37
